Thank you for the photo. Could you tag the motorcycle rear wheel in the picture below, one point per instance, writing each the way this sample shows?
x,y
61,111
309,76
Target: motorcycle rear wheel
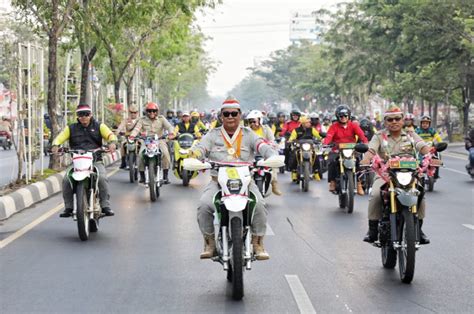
x,y
430,184
350,192
259,183
82,205
236,261
407,238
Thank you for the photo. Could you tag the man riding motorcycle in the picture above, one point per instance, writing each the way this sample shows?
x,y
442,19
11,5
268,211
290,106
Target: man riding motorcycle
x,y
154,124
429,135
170,117
187,126
86,134
232,143
255,123
124,128
315,121
368,128
469,145
409,124
304,131
342,131
392,140
196,119
277,127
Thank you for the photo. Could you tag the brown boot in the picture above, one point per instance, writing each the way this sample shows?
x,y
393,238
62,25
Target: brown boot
x,y
258,250
275,188
332,186
209,246
360,189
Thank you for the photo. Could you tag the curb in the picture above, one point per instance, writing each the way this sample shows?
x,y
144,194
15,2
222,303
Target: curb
x,y
25,197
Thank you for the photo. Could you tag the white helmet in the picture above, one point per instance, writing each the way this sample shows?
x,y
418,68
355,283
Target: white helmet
x,y
255,114
313,115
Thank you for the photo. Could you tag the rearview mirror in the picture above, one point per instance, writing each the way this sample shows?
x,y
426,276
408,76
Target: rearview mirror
x,y
361,148
441,146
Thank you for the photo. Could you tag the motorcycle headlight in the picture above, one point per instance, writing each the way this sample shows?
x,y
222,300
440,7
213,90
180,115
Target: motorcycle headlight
x,y
234,186
183,151
404,178
347,153
306,146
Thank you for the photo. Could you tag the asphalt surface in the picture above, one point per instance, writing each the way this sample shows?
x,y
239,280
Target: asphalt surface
x,y
146,258
9,166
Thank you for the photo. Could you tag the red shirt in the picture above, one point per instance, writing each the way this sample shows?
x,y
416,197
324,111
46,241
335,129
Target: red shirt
x,y
339,134
289,127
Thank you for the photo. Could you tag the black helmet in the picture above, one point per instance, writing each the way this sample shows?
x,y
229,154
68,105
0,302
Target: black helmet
x,y
343,110
295,112
365,124
426,118
169,111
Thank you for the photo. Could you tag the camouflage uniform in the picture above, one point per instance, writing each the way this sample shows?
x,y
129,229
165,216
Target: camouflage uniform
x,y
213,147
152,127
406,143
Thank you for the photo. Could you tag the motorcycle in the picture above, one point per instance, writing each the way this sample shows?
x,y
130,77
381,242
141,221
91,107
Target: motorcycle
x,y
436,162
152,157
182,145
84,180
5,140
262,177
321,163
398,230
345,182
233,216
305,157
132,148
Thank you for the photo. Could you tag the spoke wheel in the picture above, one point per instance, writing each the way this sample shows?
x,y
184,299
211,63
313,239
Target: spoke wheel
x,y
236,261
82,205
406,255
350,192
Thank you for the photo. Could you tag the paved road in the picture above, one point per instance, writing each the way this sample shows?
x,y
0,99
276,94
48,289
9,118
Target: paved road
x,y
146,258
9,166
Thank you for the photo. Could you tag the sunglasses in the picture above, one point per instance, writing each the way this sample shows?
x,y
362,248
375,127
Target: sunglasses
x,y
134,112
152,111
226,114
252,121
83,114
343,116
397,119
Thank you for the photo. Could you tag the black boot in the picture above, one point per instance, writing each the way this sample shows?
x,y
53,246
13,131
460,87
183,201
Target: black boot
x,y
373,232
123,165
66,213
423,238
107,211
165,176
142,177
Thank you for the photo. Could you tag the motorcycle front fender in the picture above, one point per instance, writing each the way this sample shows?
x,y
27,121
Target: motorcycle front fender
x,y
235,203
349,163
407,198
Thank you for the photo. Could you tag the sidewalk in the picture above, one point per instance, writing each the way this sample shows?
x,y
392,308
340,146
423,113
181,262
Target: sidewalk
x,y
25,197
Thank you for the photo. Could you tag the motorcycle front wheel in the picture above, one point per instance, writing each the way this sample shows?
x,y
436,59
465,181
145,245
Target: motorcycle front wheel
x,y
406,254
430,184
237,264
131,167
350,192
152,180
342,195
185,176
82,205
389,256
306,175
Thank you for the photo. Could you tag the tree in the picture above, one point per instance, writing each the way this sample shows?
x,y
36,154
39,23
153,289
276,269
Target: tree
x,y
50,18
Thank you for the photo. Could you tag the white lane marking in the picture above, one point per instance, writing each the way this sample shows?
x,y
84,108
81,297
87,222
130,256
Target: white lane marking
x,y
469,226
36,222
300,295
455,156
30,226
345,305
454,170
269,231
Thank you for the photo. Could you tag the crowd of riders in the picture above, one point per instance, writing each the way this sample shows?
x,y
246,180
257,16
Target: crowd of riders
x,y
264,128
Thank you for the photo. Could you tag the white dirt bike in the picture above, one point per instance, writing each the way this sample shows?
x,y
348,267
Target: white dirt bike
x,y
234,205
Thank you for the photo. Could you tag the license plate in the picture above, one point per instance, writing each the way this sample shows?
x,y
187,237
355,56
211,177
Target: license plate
x,y
436,163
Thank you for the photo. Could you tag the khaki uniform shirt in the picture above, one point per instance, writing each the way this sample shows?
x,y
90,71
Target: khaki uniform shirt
x,y
127,125
408,143
152,127
213,147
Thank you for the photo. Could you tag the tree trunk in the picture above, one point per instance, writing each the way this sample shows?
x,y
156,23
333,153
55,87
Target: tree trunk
x,y
465,109
117,91
129,93
86,58
422,109
52,88
434,117
411,104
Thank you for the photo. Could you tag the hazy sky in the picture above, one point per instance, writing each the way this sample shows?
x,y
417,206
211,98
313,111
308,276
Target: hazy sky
x,y
243,30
